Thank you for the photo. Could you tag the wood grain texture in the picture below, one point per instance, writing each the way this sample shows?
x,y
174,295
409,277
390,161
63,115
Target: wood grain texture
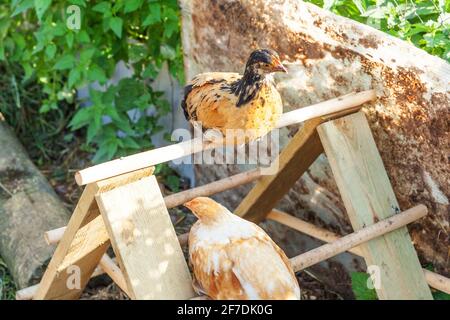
x,y
145,242
368,197
293,161
84,241
52,286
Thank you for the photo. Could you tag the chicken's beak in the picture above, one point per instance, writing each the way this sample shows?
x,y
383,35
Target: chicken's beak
x,y
190,204
277,66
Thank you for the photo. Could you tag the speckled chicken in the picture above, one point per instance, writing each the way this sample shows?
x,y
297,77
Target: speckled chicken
x,y
225,100
233,258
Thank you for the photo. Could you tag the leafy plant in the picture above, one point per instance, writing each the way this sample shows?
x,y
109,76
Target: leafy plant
x,y
171,179
143,34
363,292
424,23
360,288
7,286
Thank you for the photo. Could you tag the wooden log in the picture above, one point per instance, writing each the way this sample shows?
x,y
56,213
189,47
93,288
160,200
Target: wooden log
x,y
433,279
179,150
28,207
368,197
176,199
362,236
144,241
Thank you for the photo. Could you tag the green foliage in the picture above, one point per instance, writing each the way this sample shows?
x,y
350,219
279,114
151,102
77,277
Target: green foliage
x,y
424,23
360,288
7,286
143,34
362,292
171,179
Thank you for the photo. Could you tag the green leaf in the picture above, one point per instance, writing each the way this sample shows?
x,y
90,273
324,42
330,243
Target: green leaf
x,y
86,55
41,6
69,39
82,117
96,73
78,2
47,106
150,71
111,149
154,16
438,295
74,77
170,27
360,288
93,129
28,71
102,7
328,4
65,62
50,51
83,37
173,182
116,26
132,5
167,52
101,154
23,6
130,143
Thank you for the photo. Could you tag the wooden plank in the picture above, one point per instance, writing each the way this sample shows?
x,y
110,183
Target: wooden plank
x,y
53,283
294,160
145,241
51,286
368,197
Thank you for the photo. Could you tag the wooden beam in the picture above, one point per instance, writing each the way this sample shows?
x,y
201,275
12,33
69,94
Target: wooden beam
x,y
78,247
293,161
179,150
145,242
368,197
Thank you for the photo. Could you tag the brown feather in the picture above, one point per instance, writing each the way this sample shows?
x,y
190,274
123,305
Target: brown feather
x,y
207,100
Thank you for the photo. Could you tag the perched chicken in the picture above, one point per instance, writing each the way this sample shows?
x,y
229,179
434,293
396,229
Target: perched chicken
x,y
225,100
233,258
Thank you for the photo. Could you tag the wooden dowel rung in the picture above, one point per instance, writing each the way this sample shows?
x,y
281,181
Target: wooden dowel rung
x,y
114,272
307,228
437,281
212,188
153,157
356,238
433,279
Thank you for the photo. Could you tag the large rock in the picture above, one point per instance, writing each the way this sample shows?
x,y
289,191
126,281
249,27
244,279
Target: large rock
x,y
328,56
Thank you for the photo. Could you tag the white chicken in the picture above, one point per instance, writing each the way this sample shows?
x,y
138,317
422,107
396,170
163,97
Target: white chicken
x,y
233,258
